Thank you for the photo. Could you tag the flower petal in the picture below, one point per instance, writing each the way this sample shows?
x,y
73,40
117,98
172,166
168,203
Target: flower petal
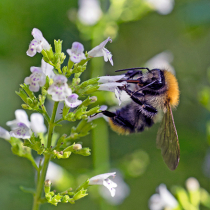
x,y
4,134
22,131
37,123
110,186
106,79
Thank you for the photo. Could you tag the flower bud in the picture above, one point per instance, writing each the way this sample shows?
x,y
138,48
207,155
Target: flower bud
x,y
47,186
84,151
22,94
89,82
80,112
90,89
58,46
50,54
77,147
93,111
88,101
80,194
28,91
65,199
192,184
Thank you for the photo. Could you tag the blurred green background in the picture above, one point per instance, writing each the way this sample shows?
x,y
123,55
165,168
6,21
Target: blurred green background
x,y
185,32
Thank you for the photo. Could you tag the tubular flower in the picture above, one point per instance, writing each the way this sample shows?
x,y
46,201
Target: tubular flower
x,y
21,117
103,179
72,101
37,121
100,51
36,80
38,43
110,84
76,52
22,131
59,89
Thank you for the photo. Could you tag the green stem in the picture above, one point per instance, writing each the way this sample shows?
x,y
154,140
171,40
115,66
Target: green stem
x,y
100,133
52,125
41,177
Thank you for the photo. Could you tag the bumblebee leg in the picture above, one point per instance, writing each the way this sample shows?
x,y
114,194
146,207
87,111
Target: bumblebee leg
x,y
146,109
118,120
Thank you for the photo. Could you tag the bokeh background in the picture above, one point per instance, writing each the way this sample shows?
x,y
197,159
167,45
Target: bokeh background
x,y
140,32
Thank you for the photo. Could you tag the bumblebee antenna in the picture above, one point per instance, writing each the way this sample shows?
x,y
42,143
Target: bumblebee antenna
x,y
133,69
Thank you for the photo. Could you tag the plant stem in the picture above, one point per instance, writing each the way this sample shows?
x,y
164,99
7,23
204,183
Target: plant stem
x,y
40,183
100,147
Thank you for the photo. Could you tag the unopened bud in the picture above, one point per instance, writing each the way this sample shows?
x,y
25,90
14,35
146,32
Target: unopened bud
x,y
93,99
47,183
192,184
77,147
47,186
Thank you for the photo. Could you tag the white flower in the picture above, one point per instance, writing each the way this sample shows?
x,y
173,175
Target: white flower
x,y
4,134
100,51
37,123
161,60
59,89
72,101
47,69
162,200
110,84
22,131
163,7
122,192
38,43
21,116
89,11
106,79
36,80
76,52
102,179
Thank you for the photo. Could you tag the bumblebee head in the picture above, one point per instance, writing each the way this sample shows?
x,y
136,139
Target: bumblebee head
x,y
156,77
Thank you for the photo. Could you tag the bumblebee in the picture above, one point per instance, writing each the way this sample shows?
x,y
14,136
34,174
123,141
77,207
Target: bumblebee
x,y
153,91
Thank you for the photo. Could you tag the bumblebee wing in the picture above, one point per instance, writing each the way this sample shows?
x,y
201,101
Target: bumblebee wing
x,y
167,140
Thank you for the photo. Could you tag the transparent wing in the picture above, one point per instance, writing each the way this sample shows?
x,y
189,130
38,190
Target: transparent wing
x,y
167,140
